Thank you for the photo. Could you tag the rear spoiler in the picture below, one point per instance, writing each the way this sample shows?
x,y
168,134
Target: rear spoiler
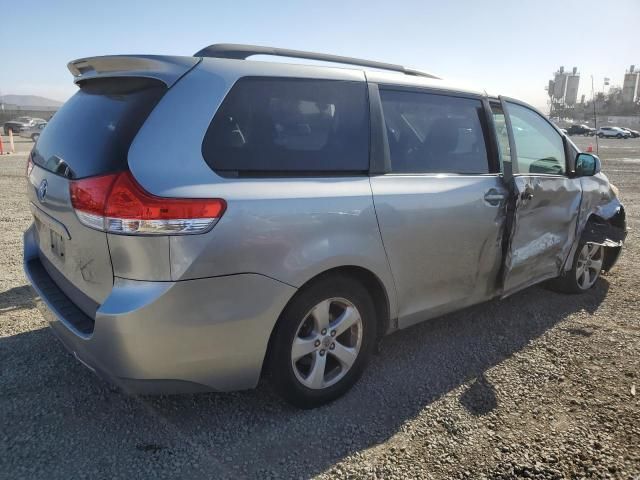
x,y
164,68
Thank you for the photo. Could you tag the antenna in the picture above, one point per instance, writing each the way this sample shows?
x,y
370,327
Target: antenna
x,y
595,116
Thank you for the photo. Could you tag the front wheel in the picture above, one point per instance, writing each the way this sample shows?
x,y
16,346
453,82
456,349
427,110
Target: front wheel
x,y
585,271
618,136
323,341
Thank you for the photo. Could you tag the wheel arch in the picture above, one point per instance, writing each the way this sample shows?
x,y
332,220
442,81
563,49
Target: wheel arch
x,y
364,276
603,230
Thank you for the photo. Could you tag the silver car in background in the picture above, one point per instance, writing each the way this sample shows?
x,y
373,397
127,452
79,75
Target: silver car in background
x,y
613,132
33,132
200,222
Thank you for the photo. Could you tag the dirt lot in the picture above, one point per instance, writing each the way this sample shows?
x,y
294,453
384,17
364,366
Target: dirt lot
x,y
537,386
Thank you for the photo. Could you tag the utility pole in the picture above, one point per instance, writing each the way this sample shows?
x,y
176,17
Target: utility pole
x,y
595,116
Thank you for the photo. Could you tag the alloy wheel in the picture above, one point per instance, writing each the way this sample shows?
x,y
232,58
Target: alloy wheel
x,y
589,265
327,343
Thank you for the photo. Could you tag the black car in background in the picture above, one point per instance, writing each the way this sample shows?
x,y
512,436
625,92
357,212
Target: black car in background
x,y
17,125
634,133
581,130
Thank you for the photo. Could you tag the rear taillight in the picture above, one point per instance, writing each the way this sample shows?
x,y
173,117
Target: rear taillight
x,y
89,199
29,166
118,204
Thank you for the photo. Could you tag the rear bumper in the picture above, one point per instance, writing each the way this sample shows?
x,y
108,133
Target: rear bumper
x,y
170,337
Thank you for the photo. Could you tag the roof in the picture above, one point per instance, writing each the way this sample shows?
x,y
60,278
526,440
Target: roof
x,y
242,68
378,72
242,52
390,78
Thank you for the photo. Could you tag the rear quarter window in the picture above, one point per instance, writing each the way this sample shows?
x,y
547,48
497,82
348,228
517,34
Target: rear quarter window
x,y
285,126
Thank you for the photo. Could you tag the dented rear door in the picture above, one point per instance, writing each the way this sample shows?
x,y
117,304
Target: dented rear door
x,y
438,201
544,200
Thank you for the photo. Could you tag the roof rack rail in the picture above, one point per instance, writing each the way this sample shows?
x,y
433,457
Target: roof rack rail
x,y
242,52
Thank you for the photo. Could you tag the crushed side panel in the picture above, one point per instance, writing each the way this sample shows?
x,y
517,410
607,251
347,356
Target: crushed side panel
x,y
542,230
601,220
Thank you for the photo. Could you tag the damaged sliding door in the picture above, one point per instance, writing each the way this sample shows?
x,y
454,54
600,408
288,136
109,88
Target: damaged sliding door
x,y
544,201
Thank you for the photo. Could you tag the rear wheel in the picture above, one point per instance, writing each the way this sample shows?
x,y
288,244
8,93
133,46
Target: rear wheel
x,y
323,341
601,135
585,271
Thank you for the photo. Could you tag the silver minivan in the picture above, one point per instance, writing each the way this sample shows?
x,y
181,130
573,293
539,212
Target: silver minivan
x,y
201,222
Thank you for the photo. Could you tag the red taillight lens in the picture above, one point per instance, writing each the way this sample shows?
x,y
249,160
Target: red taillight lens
x,y
118,204
90,194
129,200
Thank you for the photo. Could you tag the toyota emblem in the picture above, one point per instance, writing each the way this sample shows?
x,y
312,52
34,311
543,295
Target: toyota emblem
x,y
42,190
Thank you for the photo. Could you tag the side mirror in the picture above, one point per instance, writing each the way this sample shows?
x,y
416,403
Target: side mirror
x,y
587,165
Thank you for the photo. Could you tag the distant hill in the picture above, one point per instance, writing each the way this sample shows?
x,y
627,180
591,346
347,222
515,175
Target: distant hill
x,y
26,101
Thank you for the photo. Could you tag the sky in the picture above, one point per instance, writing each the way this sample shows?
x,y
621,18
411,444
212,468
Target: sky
x,y
505,47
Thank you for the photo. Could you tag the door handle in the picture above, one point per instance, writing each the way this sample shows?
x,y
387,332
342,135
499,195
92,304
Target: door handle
x,y
494,197
527,194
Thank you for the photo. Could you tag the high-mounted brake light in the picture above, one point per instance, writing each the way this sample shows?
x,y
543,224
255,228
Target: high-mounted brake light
x,y
118,204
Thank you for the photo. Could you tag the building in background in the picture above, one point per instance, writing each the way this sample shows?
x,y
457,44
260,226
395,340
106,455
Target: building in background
x,y
571,92
563,92
10,111
631,86
559,84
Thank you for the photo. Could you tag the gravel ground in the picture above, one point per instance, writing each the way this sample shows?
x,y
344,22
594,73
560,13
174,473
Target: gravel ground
x,y
540,385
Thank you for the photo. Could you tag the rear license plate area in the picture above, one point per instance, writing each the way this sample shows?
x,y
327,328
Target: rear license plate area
x,y
52,243
56,244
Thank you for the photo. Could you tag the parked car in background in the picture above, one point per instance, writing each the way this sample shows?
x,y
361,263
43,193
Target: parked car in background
x,y
17,125
633,133
612,132
33,132
581,130
313,210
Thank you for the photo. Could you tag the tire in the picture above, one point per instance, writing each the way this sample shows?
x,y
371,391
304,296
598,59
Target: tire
x,y
301,382
588,258
600,135
619,136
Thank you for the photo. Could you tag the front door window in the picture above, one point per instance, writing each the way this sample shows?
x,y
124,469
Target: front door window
x,y
539,147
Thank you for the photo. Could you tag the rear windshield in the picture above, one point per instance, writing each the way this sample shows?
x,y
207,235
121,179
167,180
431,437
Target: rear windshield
x,y
91,134
283,126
